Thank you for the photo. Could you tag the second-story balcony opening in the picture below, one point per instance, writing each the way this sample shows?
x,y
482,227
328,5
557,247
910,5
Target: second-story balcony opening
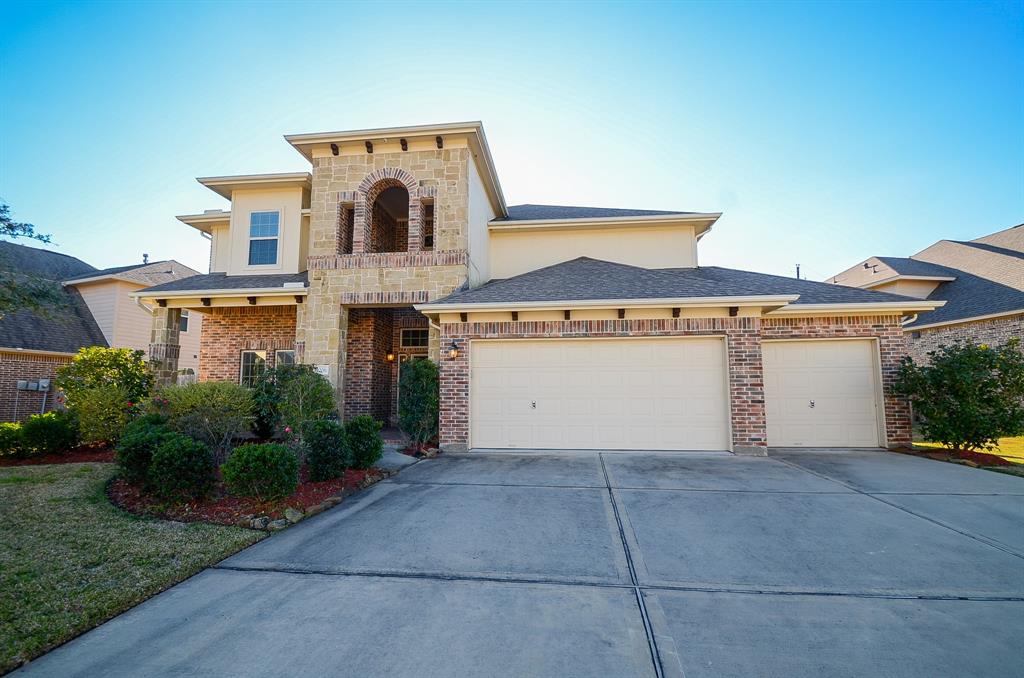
x,y
389,221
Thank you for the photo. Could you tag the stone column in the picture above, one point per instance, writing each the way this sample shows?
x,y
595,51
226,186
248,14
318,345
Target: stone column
x,y
321,332
164,346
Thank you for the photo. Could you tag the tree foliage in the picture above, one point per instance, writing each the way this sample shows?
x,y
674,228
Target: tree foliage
x,y
968,395
97,366
290,395
20,291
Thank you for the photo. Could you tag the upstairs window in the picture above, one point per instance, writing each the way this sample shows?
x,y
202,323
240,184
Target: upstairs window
x,y
263,230
415,338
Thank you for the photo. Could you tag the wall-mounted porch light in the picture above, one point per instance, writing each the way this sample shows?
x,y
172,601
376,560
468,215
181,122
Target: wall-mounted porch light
x,y
453,350
391,357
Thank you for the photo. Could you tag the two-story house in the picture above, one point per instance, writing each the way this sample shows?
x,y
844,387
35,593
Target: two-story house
x,y
553,327
981,282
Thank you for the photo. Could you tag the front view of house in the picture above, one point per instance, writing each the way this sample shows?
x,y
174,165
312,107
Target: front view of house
x,y
553,327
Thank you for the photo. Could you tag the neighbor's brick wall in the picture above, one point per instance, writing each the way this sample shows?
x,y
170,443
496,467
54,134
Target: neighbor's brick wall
x,y
892,348
994,332
228,331
15,406
746,374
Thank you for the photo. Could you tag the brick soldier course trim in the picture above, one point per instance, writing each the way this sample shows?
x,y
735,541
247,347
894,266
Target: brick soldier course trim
x,y
743,352
387,260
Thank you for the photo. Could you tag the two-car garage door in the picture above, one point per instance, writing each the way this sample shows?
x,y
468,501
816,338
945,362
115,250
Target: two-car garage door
x,y
666,393
625,394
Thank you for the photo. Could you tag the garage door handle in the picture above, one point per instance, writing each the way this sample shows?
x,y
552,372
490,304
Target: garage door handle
x,y
811,405
533,404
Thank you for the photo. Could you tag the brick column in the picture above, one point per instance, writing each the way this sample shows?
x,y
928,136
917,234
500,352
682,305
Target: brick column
x,y
746,388
361,222
415,241
454,387
164,346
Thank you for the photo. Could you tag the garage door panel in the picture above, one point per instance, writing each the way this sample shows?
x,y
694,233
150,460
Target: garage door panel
x,y
613,394
839,377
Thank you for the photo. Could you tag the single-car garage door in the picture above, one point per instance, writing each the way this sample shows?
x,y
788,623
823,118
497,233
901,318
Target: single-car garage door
x,y
627,394
821,393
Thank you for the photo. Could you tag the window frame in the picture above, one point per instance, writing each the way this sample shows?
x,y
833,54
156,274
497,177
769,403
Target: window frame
x,y
241,366
183,322
250,239
278,352
426,335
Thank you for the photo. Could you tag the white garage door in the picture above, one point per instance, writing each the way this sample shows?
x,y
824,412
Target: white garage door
x,y
627,394
821,393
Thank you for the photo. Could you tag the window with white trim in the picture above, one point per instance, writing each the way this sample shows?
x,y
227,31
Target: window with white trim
x,y
183,321
263,234
284,358
415,338
254,363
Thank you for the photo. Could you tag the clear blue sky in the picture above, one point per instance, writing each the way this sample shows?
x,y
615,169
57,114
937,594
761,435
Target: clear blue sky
x,y
825,132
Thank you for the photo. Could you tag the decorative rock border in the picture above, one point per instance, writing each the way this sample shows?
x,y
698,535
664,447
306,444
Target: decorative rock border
x,y
293,515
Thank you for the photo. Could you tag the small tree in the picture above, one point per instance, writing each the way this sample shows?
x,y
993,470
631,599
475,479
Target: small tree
x,y
290,395
97,366
419,400
19,291
968,395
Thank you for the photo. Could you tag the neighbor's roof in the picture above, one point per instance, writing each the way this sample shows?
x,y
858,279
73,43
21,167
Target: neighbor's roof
x,y
913,267
968,296
557,212
586,279
222,281
153,273
63,329
40,263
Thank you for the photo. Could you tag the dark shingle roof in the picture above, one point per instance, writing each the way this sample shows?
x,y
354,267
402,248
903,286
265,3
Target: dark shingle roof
x,y
40,263
586,279
993,248
110,271
532,212
906,266
222,281
970,296
65,329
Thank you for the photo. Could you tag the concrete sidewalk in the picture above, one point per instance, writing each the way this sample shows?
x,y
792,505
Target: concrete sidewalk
x,y
806,563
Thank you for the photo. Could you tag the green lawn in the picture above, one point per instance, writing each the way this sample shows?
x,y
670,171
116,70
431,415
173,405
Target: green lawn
x,y
1010,449
69,560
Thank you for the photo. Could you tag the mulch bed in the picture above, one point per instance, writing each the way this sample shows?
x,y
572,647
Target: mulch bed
x,y
79,455
223,509
979,458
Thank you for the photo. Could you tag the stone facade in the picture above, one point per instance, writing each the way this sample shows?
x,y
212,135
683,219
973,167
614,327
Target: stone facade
x,y
229,331
743,340
164,344
17,405
994,332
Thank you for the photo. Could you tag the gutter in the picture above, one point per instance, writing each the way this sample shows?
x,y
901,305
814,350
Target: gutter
x,y
237,292
780,300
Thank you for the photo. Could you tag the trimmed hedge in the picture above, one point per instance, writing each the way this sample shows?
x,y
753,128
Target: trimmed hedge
x,y
363,433
11,441
325,446
135,451
181,469
50,433
267,471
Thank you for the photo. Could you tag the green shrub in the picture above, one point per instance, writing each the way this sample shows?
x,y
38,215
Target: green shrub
x,y
212,412
103,412
181,469
265,471
325,446
97,366
11,442
50,433
364,443
135,451
289,395
419,400
968,395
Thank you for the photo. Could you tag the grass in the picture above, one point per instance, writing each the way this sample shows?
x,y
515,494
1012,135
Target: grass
x,y
1010,449
70,561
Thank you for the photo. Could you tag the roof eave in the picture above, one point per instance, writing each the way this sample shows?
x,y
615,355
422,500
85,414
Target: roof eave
x,y
670,302
223,186
204,222
240,292
899,276
708,219
960,321
909,306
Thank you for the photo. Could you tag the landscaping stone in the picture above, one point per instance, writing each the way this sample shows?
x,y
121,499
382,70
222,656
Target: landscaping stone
x,y
260,523
315,509
245,521
292,515
278,524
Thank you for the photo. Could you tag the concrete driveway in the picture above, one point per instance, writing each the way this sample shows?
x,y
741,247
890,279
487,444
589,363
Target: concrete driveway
x,y
802,564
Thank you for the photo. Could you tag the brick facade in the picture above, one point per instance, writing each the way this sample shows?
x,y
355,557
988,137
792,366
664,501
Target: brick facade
x,y
17,405
743,341
994,332
229,331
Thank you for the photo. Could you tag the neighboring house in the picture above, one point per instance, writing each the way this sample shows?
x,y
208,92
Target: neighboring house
x,y
553,327
981,281
98,312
